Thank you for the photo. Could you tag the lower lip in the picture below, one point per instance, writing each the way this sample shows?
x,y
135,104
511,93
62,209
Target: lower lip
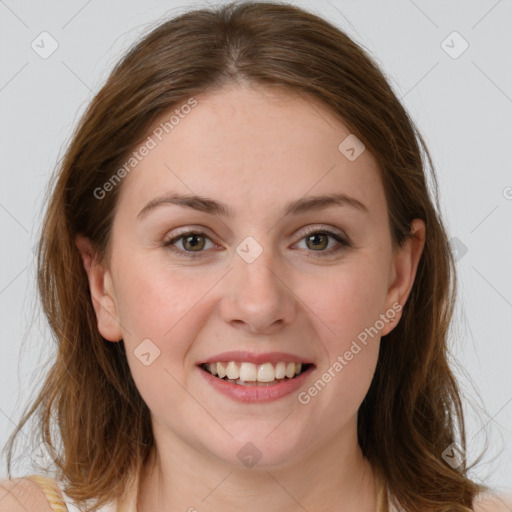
x,y
257,394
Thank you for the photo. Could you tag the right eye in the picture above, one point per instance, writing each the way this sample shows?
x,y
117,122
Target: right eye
x,y
191,239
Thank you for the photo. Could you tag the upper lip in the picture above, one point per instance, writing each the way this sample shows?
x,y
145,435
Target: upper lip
x,y
241,356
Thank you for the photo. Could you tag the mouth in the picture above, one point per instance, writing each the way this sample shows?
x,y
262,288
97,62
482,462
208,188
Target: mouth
x,y
255,375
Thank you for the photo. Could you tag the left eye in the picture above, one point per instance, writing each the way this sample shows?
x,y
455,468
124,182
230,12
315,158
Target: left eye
x,y
194,241
316,238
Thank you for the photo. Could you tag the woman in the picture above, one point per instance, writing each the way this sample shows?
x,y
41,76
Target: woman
x,y
249,283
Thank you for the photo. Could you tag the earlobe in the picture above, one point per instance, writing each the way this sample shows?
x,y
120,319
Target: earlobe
x,y
101,290
405,265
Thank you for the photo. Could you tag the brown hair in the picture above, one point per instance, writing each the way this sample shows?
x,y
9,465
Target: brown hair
x,y
412,411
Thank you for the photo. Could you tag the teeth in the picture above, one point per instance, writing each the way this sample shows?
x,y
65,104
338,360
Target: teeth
x,y
290,370
220,371
280,370
266,372
233,371
249,372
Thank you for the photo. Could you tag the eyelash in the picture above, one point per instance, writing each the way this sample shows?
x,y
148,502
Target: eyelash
x,y
343,243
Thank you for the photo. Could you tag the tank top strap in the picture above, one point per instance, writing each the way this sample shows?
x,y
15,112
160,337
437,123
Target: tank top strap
x,y
52,492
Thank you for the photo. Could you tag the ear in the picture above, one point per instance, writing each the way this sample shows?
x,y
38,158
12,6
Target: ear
x,y
102,291
403,272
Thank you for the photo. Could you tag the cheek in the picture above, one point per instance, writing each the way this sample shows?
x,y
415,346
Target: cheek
x,y
351,378
347,314
159,325
168,307
347,301
154,309
154,300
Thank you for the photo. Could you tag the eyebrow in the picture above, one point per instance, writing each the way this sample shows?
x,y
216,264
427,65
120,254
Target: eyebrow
x,y
213,207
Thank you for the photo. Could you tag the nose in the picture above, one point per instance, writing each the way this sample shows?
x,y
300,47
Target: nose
x,y
256,295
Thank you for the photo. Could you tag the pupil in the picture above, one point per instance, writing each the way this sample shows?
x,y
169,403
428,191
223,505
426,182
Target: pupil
x,y
315,237
193,237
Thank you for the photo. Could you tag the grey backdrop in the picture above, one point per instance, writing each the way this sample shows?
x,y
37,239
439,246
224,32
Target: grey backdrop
x,y
456,86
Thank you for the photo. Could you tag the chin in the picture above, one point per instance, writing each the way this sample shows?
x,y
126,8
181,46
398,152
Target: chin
x,y
256,449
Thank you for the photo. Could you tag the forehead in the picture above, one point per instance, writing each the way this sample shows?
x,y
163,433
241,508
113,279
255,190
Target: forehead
x,y
250,147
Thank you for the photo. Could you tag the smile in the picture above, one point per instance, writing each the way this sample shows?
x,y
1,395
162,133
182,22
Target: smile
x,y
250,374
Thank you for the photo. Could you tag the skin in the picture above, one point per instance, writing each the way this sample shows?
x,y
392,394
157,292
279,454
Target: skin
x,y
255,150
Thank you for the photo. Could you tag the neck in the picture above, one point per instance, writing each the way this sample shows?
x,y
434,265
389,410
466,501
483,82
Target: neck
x,y
336,477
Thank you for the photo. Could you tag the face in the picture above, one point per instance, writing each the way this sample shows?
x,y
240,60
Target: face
x,y
269,283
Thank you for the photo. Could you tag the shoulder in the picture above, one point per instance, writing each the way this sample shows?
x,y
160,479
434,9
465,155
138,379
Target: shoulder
x,y
22,494
492,503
